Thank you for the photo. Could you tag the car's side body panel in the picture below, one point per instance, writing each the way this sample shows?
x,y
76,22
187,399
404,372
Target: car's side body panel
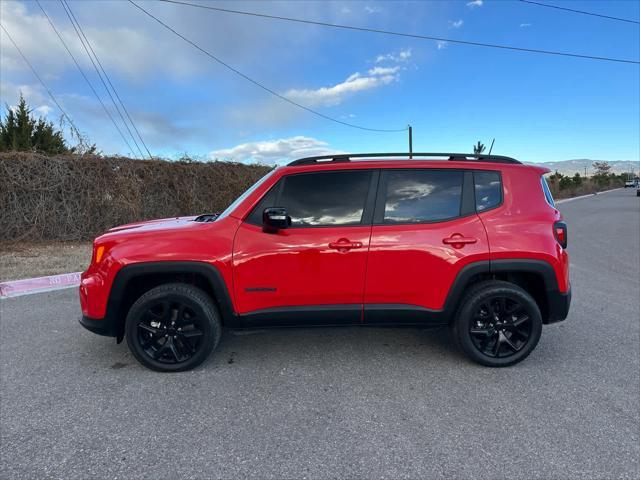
x,y
297,266
522,227
410,264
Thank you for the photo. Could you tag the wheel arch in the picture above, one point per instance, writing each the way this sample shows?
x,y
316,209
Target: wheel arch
x,y
537,277
133,280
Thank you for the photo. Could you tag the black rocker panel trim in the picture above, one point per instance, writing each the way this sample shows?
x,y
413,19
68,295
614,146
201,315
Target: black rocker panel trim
x,y
308,316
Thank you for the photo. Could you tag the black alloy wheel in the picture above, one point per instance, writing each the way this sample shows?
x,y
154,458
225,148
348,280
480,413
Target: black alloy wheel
x,y
169,331
501,327
173,327
497,324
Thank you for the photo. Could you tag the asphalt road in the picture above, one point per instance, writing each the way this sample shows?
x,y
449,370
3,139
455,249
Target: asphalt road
x,y
352,402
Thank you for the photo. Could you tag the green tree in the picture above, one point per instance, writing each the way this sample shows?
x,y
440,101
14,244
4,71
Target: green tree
x,y
577,179
603,173
478,148
566,182
20,130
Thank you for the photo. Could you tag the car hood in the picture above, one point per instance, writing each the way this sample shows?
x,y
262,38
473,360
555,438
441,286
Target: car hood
x,y
154,225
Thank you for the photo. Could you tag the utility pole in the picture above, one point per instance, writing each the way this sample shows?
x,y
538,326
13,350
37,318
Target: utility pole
x,y
410,141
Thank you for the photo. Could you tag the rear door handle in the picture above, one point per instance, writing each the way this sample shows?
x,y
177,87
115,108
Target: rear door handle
x,y
458,241
344,244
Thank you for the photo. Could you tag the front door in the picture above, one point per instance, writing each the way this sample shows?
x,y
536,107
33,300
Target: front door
x,y
314,271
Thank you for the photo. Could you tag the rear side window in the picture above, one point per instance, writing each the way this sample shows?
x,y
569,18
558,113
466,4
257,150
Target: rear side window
x,y
488,189
547,192
325,198
415,196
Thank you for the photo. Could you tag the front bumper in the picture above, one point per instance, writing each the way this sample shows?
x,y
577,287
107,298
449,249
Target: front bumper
x,y
559,304
103,326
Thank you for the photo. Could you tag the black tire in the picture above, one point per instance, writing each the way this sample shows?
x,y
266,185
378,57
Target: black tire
x,y
498,324
173,327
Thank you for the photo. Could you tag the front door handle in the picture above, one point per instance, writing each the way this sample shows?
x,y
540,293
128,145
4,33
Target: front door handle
x,y
343,244
458,241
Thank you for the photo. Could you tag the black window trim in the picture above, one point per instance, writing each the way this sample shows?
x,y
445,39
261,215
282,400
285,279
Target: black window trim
x,y
467,200
498,205
367,213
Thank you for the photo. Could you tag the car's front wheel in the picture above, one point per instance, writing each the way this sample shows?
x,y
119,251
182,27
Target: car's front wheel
x,y
497,324
173,327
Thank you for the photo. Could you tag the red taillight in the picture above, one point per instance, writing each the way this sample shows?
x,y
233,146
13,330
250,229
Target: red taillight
x,y
560,232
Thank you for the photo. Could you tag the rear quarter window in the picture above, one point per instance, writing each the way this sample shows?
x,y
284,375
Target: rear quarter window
x,y
488,189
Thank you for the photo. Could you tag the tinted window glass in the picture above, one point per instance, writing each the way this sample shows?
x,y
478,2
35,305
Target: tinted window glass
x,y
332,198
422,195
547,192
488,189
269,200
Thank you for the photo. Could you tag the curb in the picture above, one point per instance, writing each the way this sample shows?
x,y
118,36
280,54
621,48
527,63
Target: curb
x,y
39,285
565,200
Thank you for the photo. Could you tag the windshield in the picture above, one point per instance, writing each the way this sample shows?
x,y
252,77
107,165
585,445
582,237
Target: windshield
x,y
242,197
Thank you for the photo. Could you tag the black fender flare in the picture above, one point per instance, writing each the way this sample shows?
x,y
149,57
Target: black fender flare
x,y
126,274
516,265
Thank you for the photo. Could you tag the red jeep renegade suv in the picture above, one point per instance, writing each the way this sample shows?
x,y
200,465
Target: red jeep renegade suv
x,y
469,241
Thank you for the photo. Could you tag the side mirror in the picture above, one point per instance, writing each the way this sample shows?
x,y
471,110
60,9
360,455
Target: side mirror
x,y
274,219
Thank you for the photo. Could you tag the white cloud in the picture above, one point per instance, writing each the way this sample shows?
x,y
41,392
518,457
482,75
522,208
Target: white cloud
x,y
401,57
475,3
456,24
336,94
525,25
43,110
274,151
371,10
383,70
143,54
441,44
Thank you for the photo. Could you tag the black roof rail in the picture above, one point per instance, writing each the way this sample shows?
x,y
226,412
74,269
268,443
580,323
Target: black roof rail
x,y
346,157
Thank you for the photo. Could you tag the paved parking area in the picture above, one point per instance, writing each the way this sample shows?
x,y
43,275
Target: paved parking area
x,y
350,402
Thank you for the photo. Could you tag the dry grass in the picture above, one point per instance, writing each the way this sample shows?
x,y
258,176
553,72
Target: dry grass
x,y
18,261
72,198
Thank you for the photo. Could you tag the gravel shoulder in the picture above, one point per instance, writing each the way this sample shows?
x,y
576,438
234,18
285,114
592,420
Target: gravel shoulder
x,y
28,260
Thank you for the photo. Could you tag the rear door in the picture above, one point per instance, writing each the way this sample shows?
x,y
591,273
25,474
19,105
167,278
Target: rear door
x,y
312,272
425,230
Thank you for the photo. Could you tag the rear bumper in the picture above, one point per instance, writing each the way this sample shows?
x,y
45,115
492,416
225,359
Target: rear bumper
x,y
102,326
559,304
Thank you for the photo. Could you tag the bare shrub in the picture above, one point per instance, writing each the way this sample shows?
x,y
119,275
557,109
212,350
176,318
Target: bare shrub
x,y
69,197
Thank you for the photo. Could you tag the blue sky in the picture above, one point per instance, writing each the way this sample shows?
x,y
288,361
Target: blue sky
x,y
538,107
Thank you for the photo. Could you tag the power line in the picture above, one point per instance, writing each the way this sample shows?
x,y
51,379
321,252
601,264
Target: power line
x,y
104,84
581,11
64,2
77,132
84,75
258,84
402,34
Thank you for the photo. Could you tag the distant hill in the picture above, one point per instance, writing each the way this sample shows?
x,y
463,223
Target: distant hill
x,y
570,167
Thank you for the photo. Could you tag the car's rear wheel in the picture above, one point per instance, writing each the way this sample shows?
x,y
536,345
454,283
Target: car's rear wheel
x,y
497,324
173,327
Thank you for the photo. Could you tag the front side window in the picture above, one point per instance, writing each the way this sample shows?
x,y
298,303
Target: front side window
x,y
416,196
325,198
488,189
242,197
